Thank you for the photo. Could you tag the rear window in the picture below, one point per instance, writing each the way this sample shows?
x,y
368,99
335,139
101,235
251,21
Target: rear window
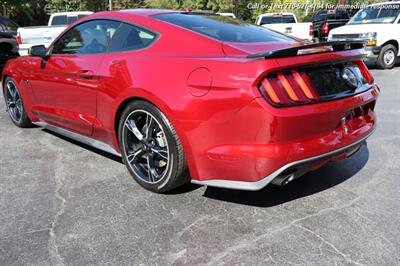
x,y
277,19
9,25
330,15
59,20
223,28
65,20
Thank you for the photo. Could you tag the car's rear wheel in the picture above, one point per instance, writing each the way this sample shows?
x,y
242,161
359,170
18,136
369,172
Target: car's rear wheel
x,y
151,149
15,105
387,57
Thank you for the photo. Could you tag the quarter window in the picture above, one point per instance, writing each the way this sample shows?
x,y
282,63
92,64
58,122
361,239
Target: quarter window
x,y
92,37
129,38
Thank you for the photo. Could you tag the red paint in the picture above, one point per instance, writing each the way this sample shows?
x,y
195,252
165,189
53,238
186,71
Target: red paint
x,y
227,129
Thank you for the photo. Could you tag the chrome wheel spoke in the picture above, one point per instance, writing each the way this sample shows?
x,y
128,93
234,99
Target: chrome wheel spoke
x,y
11,91
162,152
18,105
150,123
131,126
150,166
135,156
152,174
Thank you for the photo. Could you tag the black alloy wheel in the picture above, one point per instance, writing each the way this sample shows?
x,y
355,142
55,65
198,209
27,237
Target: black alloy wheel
x,y
15,105
151,149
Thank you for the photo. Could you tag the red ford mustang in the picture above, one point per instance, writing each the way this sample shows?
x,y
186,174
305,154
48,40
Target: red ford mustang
x,y
183,96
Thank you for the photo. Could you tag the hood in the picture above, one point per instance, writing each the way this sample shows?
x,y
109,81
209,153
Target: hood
x,y
237,49
359,28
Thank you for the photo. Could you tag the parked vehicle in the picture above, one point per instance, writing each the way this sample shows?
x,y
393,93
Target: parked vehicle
x,y
58,22
285,23
325,20
231,15
173,93
378,25
8,43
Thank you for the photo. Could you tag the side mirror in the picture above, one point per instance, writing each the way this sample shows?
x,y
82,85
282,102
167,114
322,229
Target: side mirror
x,y
38,50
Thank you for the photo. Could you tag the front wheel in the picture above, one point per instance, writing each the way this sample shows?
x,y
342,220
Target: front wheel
x,y
151,149
387,57
15,105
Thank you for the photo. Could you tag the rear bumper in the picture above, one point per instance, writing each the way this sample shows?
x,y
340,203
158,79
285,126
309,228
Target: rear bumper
x,y
23,50
291,170
260,142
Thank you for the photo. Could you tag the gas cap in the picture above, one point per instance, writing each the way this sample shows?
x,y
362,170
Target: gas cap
x,y
199,82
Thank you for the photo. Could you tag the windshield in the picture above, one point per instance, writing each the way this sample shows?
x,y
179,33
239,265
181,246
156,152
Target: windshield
x,y
376,14
223,28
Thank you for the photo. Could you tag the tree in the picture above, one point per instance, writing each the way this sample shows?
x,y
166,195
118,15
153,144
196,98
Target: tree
x,y
53,6
24,12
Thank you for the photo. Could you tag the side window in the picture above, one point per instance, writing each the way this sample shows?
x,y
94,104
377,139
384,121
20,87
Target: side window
x,y
92,37
59,20
129,38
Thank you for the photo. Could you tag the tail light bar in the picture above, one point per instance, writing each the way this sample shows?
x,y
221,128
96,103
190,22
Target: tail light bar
x,y
19,40
286,88
365,72
311,30
325,28
294,87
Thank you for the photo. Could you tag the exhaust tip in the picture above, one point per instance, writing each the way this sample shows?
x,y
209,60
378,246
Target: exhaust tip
x,y
288,179
284,179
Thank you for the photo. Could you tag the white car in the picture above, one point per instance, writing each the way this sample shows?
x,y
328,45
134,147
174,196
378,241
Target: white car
x,y
377,25
58,22
285,23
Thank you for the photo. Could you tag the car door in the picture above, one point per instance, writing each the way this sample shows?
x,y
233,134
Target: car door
x,y
66,84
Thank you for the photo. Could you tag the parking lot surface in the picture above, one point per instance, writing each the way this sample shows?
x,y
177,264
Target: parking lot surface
x,y
65,203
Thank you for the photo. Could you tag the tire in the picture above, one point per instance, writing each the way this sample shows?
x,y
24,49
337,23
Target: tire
x,y
149,141
387,57
15,105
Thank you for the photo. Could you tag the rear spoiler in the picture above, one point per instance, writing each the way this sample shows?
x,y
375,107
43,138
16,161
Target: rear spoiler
x,y
294,51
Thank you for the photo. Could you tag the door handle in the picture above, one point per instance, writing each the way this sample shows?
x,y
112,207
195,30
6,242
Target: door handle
x,y
85,74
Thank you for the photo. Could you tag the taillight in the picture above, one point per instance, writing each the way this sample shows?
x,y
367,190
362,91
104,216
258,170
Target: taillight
x,y
19,41
315,83
325,28
311,30
365,72
288,88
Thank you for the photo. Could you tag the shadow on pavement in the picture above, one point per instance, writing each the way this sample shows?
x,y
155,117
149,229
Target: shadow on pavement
x,y
87,147
324,178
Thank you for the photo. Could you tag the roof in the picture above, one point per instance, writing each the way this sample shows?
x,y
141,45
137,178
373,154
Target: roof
x,y
74,13
277,14
147,12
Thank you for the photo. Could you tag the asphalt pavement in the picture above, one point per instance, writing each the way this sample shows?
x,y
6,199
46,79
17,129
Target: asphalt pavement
x,y
62,203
